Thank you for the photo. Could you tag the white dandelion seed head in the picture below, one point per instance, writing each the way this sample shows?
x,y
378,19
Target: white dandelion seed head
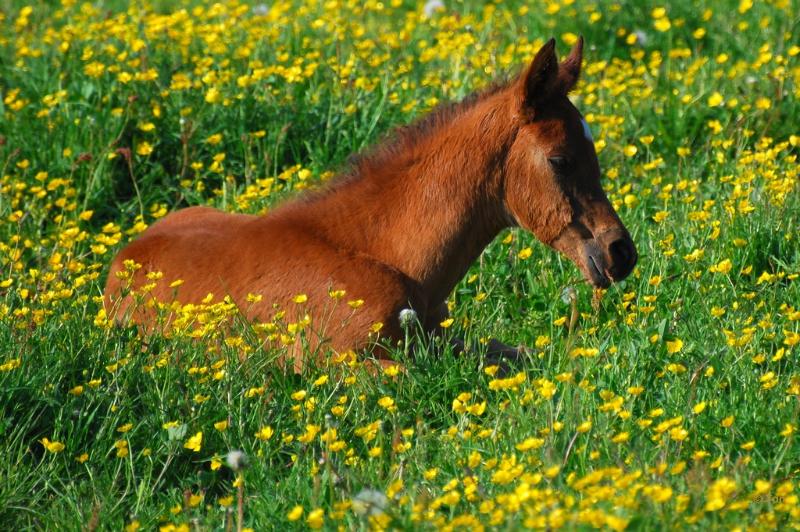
x,y
236,460
370,502
569,294
432,6
406,317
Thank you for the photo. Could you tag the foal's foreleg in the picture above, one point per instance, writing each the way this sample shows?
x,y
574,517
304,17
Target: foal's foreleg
x,y
494,353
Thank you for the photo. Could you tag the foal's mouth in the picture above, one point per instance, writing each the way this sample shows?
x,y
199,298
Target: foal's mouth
x,y
603,259
597,275
607,262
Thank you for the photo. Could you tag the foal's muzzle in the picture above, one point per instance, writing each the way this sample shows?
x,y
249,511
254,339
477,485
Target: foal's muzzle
x,y
609,257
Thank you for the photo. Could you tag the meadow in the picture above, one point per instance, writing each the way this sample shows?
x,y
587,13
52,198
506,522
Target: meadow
x,y
670,400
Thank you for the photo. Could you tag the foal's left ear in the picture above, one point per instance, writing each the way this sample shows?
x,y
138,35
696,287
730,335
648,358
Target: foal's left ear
x,y
540,81
570,69
545,78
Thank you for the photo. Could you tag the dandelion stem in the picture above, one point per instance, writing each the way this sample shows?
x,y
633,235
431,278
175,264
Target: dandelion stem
x,y
240,505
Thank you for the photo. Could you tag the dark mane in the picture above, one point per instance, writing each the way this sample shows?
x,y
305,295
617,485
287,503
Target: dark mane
x,y
401,138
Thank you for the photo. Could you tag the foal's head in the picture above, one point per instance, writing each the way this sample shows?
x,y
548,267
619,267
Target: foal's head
x,y
552,177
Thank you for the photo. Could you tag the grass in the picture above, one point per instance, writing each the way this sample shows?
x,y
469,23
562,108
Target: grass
x,y
671,402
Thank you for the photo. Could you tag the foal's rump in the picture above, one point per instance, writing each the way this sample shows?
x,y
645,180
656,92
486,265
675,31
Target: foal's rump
x,y
183,255
280,258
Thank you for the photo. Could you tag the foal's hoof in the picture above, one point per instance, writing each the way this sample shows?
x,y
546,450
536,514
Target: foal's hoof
x,y
508,359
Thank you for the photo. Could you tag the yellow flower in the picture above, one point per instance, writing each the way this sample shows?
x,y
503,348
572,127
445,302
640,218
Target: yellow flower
x,y
658,493
723,266
356,303
727,422
144,148
391,371
525,253
300,298
552,471
621,437
387,403
447,323
477,409
122,448
221,425
252,392
52,446
530,443
699,407
299,395
660,216
718,494
212,95
678,433
674,346
310,434
295,513
194,443
762,486
715,100
265,433
316,518
662,24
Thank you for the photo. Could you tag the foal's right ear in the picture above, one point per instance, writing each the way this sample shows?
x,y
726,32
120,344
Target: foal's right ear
x,y
541,79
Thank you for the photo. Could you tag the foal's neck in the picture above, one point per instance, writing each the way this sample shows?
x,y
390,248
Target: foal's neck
x,y
430,210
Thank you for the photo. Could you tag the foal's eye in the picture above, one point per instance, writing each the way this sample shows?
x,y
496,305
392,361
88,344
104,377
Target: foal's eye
x,y
558,163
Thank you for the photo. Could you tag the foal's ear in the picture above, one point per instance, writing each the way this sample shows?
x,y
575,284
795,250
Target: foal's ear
x,y
570,69
541,79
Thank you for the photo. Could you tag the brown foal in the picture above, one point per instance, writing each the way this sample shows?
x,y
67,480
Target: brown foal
x,y
402,227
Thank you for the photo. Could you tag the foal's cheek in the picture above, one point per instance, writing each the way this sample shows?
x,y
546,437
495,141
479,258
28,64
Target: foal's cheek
x,y
521,184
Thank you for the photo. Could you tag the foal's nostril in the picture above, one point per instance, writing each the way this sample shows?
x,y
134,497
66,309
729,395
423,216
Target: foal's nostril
x,y
619,251
623,256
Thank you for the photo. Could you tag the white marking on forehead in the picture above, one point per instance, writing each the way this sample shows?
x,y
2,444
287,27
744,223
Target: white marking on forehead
x,y
587,132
